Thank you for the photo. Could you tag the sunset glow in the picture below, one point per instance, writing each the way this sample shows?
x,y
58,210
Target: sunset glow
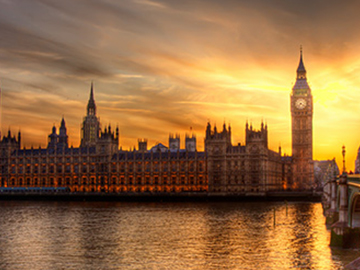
x,y
161,67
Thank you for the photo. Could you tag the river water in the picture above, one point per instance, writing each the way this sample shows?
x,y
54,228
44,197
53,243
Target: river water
x,y
113,235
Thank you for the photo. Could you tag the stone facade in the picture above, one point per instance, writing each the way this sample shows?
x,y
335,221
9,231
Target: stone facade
x,y
242,169
357,162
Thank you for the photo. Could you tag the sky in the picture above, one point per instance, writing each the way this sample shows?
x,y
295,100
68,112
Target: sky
x,y
171,66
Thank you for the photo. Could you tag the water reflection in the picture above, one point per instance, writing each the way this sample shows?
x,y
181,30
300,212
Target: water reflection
x,y
83,235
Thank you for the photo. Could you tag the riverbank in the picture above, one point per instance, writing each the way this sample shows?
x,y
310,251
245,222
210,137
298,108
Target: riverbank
x,y
156,197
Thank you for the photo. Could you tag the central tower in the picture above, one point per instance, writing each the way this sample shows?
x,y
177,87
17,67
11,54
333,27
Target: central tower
x,y
91,125
301,116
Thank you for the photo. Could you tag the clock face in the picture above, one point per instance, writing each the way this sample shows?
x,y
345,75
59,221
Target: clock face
x,y
300,103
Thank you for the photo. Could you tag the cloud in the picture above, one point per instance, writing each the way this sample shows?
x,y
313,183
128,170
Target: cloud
x,y
150,3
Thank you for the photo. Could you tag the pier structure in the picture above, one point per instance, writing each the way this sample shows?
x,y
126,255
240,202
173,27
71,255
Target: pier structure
x,y
342,210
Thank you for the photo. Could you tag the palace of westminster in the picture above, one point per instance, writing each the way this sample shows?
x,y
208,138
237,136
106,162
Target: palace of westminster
x,y
98,165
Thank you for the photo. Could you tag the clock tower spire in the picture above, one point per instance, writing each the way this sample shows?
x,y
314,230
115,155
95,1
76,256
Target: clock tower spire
x,y
301,127
301,71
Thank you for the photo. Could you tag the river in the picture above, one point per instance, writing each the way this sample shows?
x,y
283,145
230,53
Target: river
x,y
114,235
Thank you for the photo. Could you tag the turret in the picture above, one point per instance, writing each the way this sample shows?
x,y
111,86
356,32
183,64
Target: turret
x,y
142,144
301,71
208,131
256,136
107,143
91,107
63,137
174,142
224,128
53,138
190,142
19,139
7,146
214,138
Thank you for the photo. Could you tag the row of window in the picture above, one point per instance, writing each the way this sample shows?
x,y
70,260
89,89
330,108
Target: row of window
x,y
68,184
60,168
139,189
201,180
35,160
50,160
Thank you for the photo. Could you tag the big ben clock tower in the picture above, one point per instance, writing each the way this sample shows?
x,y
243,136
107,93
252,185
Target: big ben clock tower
x,y
301,116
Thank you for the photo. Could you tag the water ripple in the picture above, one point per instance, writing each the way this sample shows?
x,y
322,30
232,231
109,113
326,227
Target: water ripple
x,y
84,235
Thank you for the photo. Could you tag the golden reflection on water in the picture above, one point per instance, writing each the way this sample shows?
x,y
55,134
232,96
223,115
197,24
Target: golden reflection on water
x,y
80,235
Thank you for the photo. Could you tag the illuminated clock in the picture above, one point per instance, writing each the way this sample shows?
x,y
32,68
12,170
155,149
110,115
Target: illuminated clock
x,y
300,103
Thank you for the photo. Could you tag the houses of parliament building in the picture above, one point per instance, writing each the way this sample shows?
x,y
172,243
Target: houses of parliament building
x,y
98,165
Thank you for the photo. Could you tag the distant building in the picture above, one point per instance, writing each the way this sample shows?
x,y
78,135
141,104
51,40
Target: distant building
x,y
357,162
98,165
324,171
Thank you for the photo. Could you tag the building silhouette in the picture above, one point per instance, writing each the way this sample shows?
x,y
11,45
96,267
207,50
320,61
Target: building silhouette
x,y
98,165
301,127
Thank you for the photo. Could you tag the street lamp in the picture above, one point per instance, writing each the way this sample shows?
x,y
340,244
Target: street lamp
x,y
343,154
